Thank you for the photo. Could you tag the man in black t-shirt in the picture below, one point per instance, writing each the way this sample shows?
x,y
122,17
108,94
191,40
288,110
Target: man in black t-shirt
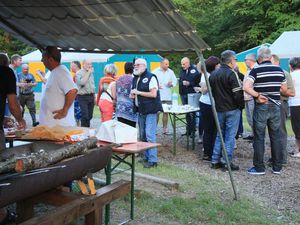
x,y
8,90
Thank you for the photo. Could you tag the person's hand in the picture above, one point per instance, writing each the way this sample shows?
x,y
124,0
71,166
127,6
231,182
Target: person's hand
x,y
59,114
186,83
21,124
197,89
134,92
91,70
40,73
169,84
262,99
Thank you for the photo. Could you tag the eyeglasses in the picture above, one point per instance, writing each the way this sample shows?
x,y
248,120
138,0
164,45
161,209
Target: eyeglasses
x,y
137,65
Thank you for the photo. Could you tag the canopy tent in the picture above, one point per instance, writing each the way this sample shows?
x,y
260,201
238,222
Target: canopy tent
x,y
287,45
119,26
36,56
112,26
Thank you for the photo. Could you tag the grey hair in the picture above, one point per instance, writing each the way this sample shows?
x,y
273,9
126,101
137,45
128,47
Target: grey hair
x,y
25,65
4,60
227,56
295,63
142,61
185,59
264,53
110,69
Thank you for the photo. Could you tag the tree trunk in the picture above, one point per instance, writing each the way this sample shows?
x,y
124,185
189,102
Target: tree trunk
x,y
43,158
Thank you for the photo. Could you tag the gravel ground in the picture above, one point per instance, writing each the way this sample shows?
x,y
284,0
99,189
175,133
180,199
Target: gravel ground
x,y
281,192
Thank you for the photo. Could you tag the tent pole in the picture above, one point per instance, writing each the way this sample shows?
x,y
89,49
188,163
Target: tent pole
x,y
201,58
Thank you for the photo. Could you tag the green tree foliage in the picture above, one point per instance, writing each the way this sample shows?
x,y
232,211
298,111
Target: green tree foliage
x,y
239,25
11,46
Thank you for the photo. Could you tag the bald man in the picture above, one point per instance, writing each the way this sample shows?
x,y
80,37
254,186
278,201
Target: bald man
x,y
188,79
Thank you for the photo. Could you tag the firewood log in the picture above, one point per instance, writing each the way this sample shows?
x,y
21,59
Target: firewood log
x,y
43,158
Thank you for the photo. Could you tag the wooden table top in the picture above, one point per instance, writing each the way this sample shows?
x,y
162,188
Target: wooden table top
x,y
136,147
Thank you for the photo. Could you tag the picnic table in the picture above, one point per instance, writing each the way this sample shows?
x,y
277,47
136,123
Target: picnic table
x,y
120,153
178,114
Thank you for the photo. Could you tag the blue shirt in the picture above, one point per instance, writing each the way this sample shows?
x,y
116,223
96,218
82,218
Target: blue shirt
x,y
28,78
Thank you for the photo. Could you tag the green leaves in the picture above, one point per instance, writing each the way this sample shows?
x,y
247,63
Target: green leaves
x,y
239,25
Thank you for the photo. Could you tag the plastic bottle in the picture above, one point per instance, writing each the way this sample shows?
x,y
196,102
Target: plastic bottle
x,y
174,99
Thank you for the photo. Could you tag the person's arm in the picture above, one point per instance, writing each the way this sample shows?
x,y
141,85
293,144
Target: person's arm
x,y
113,91
41,75
83,76
248,88
151,94
69,99
15,110
153,87
284,89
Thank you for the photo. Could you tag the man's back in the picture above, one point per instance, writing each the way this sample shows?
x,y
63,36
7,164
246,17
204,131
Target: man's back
x,y
267,79
226,89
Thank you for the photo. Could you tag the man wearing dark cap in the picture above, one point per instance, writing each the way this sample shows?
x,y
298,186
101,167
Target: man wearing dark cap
x,y
229,99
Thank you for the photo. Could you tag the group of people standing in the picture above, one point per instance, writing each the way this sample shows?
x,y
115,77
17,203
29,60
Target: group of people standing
x,y
266,92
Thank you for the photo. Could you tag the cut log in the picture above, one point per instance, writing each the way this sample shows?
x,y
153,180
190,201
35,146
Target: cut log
x,y
37,181
43,158
7,166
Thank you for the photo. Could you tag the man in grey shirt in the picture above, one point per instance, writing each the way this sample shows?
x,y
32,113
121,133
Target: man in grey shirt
x,y
86,92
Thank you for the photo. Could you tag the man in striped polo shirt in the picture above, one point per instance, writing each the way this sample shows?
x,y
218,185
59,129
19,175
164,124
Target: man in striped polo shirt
x,y
264,83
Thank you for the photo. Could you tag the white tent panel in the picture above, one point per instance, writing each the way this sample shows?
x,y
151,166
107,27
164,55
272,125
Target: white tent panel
x,y
287,45
36,56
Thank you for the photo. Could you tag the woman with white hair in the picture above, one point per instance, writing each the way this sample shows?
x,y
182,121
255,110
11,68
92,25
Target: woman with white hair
x,y
107,92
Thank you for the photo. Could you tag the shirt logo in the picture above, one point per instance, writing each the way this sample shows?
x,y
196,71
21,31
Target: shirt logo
x,y
193,71
145,80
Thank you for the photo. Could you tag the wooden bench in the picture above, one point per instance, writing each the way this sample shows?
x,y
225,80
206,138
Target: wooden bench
x,y
71,205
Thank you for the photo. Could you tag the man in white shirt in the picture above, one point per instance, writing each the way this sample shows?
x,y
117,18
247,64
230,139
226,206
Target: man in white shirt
x,y
57,106
167,80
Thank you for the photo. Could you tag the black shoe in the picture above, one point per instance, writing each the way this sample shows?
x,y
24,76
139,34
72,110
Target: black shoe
x,y
142,161
206,158
232,166
9,218
35,124
150,164
249,137
216,165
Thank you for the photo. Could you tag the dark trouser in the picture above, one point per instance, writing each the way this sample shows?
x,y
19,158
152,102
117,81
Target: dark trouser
x,y
241,127
284,110
190,117
209,129
128,122
28,100
266,115
200,124
86,103
2,140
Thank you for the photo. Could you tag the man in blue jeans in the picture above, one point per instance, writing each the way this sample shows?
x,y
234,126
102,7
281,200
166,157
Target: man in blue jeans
x,y
229,99
264,83
147,103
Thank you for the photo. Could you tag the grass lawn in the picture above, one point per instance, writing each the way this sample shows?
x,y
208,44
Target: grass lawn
x,y
202,200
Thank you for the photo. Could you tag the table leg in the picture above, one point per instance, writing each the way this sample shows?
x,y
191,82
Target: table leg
x,y
108,181
132,186
174,134
193,134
